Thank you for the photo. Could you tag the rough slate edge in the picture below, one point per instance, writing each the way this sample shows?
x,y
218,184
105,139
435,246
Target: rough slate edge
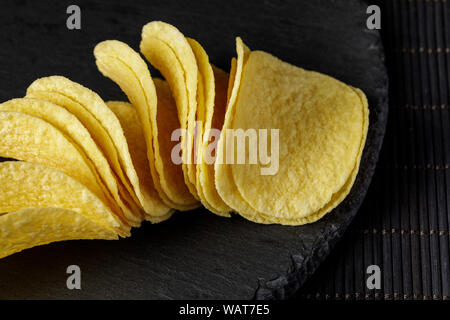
x,y
285,286
302,266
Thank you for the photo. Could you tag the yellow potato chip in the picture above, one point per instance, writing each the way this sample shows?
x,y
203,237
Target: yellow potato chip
x,y
134,134
214,120
71,127
200,119
124,66
27,228
101,116
205,104
32,139
206,94
319,143
167,123
99,135
166,48
223,176
322,127
29,185
232,77
96,130
337,197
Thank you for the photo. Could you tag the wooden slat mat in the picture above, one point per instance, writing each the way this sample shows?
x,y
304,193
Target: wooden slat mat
x,y
403,226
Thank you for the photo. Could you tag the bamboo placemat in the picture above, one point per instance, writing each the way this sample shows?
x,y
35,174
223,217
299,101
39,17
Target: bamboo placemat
x,y
403,225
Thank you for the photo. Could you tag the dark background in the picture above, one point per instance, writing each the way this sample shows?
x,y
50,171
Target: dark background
x,y
403,225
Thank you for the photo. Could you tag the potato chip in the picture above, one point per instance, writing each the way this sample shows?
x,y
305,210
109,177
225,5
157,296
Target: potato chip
x,y
29,185
320,142
214,120
124,66
208,105
323,124
166,48
32,139
223,177
96,130
167,123
99,135
232,77
134,134
205,103
27,228
101,119
71,127
339,196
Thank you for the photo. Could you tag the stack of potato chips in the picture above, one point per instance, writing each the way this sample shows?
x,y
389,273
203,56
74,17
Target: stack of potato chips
x,y
90,169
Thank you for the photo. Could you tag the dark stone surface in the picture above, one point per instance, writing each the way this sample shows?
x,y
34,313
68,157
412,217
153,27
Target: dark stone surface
x,y
195,254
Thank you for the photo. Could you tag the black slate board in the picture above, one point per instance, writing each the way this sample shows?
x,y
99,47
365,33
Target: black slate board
x,y
196,254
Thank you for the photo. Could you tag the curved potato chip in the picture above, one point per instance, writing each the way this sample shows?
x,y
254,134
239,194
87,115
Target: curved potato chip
x,y
27,228
32,139
336,198
123,65
166,48
134,134
319,144
198,142
232,77
223,176
99,135
69,125
200,120
321,141
214,120
96,130
29,185
208,104
167,123
91,102
204,94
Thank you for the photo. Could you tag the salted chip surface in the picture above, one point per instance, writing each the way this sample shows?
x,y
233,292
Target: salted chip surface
x,y
102,119
31,227
71,127
29,185
124,66
166,48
